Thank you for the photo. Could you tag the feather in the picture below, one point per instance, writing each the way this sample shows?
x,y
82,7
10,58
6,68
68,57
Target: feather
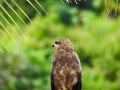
x,y
66,67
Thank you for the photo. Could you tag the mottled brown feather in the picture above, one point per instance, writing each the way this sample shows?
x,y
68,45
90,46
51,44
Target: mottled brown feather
x,y
66,68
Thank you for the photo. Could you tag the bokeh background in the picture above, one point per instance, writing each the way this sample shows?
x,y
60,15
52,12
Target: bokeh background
x,y
29,27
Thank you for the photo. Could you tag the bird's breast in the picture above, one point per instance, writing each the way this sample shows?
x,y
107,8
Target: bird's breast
x,y
65,71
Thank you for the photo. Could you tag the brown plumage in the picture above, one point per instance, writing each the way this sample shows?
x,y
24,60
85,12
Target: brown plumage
x,y
66,68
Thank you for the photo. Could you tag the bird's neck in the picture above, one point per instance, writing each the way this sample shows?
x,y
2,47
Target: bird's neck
x,y
64,51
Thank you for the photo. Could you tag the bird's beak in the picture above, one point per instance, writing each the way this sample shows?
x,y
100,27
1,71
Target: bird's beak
x,y
53,45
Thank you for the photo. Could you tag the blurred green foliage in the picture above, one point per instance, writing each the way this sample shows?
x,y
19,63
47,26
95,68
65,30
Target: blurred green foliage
x,y
95,37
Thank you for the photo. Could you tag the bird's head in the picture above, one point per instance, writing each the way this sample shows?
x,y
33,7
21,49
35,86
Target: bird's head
x,y
62,43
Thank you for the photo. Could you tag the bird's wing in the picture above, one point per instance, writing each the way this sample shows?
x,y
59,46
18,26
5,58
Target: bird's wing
x,y
52,82
78,85
52,77
78,60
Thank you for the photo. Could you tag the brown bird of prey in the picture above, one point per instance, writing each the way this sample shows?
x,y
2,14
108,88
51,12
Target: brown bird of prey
x,y
66,67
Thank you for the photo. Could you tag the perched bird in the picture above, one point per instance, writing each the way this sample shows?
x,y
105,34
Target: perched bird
x,y
66,67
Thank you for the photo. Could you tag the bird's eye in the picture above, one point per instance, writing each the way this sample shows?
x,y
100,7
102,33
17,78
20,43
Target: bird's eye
x,y
57,42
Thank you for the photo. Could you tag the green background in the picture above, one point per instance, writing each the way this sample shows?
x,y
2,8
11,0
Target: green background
x,y
25,46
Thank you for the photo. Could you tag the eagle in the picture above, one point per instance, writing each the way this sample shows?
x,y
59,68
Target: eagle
x,y
66,68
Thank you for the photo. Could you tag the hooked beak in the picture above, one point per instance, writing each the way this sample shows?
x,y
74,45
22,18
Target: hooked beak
x,y
53,45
